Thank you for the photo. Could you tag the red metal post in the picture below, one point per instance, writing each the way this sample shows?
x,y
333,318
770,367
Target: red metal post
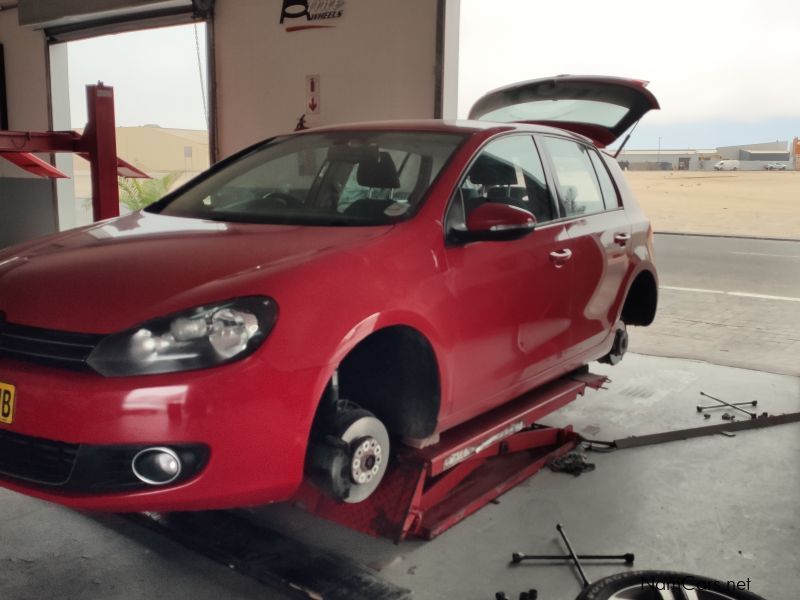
x,y
98,145
101,138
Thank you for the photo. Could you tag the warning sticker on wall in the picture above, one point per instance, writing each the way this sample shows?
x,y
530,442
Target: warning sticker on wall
x,y
312,94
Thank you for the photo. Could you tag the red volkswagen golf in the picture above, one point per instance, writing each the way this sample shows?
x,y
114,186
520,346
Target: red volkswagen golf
x,y
318,297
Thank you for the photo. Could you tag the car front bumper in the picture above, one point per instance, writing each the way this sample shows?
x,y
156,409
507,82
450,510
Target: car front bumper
x,y
249,423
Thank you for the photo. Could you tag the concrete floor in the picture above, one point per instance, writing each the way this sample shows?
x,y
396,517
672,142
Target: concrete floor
x,y
717,506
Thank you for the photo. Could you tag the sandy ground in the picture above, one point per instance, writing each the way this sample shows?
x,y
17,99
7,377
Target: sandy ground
x,y
755,203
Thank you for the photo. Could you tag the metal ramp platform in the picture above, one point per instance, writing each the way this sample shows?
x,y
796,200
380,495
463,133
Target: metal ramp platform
x,y
427,491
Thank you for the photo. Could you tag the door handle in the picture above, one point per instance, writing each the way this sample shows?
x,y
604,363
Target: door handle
x,y
559,257
622,238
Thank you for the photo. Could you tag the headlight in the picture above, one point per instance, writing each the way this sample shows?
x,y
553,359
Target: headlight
x,y
194,339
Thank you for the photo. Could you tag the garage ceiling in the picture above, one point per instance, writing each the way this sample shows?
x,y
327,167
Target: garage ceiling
x,y
65,20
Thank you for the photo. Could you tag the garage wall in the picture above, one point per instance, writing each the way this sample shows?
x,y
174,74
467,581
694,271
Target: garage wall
x,y
376,61
26,203
26,74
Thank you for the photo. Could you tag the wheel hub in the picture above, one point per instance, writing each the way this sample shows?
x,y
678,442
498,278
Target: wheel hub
x,y
368,455
618,348
621,341
366,460
351,459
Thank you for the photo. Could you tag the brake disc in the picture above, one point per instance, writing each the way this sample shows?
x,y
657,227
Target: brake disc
x,y
368,456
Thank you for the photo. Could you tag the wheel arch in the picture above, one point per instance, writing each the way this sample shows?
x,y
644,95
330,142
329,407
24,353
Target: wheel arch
x,y
394,373
641,299
393,368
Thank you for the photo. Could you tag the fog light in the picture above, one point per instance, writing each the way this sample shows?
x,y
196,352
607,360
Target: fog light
x,y
157,466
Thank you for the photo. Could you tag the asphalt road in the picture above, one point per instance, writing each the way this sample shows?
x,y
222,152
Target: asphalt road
x,y
729,264
726,301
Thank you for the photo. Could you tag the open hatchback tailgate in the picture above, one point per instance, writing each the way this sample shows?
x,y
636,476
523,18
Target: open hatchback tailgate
x,y
601,108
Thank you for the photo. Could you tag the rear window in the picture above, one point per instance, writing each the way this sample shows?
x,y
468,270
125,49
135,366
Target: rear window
x,y
604,114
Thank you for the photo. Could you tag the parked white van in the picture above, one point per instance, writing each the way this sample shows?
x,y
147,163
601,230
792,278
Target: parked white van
x,y
727,165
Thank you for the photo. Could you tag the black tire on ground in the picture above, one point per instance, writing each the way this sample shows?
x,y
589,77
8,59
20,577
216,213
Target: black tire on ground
x,y
619,348
641,585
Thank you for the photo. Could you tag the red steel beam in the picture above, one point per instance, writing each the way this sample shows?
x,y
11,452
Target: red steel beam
x,y
33,164
98,145
100,139
469,440
31,141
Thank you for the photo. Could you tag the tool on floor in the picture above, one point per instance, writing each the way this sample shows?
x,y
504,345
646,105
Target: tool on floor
x,y
635,441
701,408
574,463
529,595
518,557
722,404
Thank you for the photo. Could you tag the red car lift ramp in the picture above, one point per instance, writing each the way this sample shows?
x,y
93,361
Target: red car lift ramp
x,y
425,492
98,145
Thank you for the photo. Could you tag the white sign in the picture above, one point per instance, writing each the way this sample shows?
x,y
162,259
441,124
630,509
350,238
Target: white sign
x,y
312,94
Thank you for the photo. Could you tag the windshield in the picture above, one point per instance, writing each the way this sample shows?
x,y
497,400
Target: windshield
x,y
333,178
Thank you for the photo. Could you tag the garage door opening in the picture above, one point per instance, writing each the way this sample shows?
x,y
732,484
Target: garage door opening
x,y
160,86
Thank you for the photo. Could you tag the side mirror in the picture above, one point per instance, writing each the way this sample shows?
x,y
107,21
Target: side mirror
x,y
496,221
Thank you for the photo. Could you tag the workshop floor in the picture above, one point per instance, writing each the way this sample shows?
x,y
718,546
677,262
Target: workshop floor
x,y
724,507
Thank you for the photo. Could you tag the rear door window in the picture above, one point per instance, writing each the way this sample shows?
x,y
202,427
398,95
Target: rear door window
x,y
610,196
576,181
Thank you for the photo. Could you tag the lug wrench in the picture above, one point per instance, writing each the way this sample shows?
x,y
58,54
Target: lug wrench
x,y
701,408
586,582
518,557
734,406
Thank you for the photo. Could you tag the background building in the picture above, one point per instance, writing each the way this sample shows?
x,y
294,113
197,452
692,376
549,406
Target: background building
x,y
158,151
752,157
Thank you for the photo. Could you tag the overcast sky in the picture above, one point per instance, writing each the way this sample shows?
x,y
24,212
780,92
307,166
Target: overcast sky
x,y
725,72
154,74
721,70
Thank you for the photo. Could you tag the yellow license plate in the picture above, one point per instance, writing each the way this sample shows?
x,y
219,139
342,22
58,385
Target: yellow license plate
x,y
7,394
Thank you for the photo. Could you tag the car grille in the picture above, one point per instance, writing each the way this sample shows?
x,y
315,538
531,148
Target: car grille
x,y
106,468
47,347
35,459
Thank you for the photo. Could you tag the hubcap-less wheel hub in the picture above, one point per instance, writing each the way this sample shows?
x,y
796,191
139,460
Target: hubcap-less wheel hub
x,y
369,454
622,341
366,461
619,348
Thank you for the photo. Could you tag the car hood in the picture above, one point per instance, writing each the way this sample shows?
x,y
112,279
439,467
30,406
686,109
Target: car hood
x,y
115,274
